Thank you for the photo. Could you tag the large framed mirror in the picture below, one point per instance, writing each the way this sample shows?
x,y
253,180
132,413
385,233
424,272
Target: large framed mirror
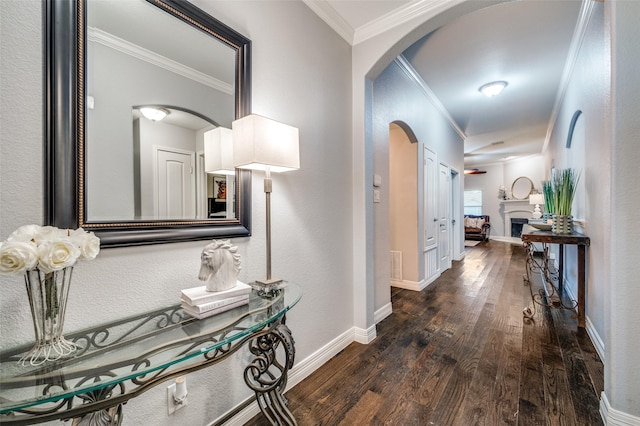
x,y
521,188
135,180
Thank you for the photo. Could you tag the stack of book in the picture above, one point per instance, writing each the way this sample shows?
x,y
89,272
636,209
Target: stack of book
x,y
200,303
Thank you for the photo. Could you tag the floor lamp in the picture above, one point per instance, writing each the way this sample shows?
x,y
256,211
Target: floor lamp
x,y
260,143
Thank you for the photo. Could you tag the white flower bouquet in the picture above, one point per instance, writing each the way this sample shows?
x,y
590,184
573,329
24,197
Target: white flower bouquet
x,y
46,248
46,256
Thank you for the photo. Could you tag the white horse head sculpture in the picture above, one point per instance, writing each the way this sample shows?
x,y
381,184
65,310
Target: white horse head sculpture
x,y
220,265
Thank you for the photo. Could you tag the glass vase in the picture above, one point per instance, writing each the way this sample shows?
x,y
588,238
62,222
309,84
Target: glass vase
x,y
48,294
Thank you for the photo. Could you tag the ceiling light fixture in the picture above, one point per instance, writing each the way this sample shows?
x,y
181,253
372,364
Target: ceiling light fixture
x,y
153,113
493,89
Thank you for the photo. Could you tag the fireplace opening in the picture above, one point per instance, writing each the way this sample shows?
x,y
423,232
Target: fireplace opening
x,y
516,226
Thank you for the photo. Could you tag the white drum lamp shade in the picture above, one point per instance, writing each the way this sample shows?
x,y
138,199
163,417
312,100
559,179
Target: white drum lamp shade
x,y
218,151
260,143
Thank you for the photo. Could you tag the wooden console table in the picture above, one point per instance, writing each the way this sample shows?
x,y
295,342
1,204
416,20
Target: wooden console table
x,y
119,361
554,296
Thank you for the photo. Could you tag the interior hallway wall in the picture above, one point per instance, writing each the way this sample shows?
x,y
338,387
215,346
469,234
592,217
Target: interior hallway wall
x,y
397,97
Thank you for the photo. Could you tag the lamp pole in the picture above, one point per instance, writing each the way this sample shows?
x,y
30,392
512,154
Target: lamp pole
x,y
268,188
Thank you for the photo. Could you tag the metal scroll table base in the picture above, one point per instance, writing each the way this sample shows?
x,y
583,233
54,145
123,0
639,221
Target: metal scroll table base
x,y
119,361
266,376
550,295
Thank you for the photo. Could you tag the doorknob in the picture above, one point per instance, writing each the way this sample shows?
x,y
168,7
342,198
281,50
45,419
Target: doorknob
x,y
435,219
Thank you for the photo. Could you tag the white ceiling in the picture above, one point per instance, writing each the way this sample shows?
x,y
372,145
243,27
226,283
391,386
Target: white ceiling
x,y
525,42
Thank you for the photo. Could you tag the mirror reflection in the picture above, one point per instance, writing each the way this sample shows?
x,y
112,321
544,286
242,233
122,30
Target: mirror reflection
x,y
139,168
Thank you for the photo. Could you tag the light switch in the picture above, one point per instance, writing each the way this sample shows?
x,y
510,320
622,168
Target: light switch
x,y
376,195
377,180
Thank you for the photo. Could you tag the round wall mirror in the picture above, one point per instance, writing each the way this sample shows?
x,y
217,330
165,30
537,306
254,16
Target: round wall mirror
x,y
521,188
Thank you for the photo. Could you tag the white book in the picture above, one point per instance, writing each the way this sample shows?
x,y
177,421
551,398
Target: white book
x,y
200,295
216,310
207,306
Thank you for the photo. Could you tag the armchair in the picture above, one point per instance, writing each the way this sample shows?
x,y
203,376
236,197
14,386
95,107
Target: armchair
x,y
477,227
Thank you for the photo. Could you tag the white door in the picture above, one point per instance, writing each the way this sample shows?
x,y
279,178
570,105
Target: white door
x,y
444,217
201,188
430,200
455,231
175,184
430,212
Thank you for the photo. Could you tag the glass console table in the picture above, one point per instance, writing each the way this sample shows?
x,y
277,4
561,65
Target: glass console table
x,y
120,360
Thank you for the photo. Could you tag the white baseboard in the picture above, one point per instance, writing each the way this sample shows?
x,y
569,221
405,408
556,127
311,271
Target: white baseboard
x,y
382,313
365,336
612,417
301,371
407,285
595,339
414,285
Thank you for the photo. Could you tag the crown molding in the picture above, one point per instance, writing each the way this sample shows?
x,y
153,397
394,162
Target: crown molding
x,y
378,26
400,16
408,69
332,18
109,40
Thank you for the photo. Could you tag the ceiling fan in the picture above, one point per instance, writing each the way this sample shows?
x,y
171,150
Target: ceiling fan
x,y
474,172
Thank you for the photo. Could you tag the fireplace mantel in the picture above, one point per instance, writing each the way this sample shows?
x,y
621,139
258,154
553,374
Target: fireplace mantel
x,y
519,208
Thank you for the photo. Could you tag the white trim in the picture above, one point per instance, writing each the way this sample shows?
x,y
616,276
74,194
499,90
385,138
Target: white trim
x,y
382,313
401,16
507,219
109,40
412,285
365,336
243,417
299,372
332,18
612,417
595,338
431,279
598,344
317,359
408,69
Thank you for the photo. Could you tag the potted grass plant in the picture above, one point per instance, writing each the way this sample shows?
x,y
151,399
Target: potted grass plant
x,y
564,185
547,191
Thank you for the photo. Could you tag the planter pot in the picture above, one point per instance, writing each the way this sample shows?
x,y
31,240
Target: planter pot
x,y
562,224
48,294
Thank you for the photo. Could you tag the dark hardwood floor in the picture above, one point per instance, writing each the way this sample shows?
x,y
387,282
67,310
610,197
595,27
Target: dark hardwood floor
x,y
459,353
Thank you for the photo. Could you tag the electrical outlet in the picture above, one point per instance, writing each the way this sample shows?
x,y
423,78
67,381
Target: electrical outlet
x,y
171,402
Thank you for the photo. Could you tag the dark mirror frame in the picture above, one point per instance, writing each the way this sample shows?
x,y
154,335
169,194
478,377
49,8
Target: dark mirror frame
x,y
64,121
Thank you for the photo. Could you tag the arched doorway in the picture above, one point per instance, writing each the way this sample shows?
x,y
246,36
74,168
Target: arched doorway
x,y
403,206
